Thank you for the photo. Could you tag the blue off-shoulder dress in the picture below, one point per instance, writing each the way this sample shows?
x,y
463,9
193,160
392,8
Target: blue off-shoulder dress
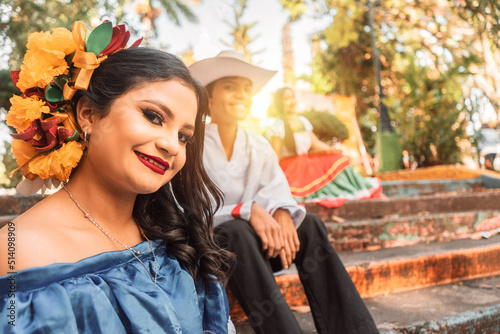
x,y
112,293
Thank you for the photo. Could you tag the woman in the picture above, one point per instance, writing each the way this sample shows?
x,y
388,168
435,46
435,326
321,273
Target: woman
x,y
487,144
316,172
72,266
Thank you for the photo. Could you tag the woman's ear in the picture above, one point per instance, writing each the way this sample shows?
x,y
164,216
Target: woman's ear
x,y
84,115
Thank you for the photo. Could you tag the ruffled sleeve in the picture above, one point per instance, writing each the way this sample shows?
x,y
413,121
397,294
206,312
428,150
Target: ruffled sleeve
x,y
112,293
307,125
277,129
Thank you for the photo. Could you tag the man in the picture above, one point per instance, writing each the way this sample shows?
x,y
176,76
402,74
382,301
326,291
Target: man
x,y
260,220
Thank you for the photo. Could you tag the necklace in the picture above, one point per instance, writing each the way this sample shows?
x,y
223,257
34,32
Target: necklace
x,y
131,250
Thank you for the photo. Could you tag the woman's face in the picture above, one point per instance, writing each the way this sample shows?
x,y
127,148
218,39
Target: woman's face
x,y
289,102
141,144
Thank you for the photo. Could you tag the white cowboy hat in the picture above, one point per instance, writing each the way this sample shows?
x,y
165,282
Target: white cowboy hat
x,y
230,63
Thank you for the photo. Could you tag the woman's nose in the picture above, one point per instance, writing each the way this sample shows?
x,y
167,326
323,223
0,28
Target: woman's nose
x,y
169,143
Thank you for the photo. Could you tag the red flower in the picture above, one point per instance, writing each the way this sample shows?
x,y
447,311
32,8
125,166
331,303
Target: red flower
x,y
44,135
119,40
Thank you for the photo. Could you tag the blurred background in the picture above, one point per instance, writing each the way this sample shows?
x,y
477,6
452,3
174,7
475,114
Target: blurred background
x,y
439,63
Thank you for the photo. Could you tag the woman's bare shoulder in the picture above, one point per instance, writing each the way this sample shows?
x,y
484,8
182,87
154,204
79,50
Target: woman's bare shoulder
x,y
32,239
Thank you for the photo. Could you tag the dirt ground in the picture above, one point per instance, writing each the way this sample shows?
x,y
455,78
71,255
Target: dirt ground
x,y
432,173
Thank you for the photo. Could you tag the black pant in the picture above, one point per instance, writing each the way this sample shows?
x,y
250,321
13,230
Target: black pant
x,y
335,303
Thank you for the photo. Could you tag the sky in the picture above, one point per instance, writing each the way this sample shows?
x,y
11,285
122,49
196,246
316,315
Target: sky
x,y
208,35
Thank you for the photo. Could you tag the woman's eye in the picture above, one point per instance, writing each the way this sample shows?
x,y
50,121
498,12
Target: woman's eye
x,y
152,116
184,138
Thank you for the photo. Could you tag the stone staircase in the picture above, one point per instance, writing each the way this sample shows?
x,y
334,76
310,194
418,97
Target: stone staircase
x,y
424,238
419,256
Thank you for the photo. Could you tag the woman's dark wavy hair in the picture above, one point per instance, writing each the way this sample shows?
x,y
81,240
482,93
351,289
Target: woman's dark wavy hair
x,y
187,232
278,111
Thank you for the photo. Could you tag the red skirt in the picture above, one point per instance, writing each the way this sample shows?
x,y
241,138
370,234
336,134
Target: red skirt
x,y
312,178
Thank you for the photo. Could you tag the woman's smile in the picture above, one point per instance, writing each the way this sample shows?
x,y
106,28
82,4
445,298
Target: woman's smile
x,y
156,164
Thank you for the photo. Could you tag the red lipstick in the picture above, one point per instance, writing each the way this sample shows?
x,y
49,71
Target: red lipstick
x,y
156,164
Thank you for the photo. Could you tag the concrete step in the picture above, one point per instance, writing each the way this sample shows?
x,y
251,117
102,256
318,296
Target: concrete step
x,y
407,268
469,306
405,206
404,188
372,234
400,269
15,204
351,210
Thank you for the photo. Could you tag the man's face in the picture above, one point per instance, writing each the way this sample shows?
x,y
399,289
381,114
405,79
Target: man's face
x,y
230,99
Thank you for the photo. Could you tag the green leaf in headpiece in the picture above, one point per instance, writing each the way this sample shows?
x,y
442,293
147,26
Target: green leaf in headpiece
x,y
53,93
46,115
69,58
75,136
99,38
61,80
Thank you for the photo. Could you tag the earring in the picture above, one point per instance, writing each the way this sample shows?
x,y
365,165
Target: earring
x,y
85,136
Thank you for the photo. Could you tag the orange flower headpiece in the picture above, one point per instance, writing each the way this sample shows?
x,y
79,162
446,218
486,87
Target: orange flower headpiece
x,y
48,143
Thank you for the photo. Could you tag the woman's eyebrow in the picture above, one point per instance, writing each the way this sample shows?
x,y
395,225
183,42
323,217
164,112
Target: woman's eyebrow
x,y
163,107
169,112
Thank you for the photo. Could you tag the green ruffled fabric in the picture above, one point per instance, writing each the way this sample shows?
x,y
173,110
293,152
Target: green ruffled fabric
x,y
347,184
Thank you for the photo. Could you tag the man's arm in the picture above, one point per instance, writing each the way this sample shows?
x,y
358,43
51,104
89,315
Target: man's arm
x,y
233,211
273,190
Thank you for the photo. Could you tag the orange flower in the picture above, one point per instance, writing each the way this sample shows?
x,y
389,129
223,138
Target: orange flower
x,y
23,111
44,59
61,40
59,163
23,151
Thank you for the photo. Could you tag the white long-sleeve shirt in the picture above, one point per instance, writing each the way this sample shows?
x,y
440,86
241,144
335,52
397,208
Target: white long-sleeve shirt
x,y
251,175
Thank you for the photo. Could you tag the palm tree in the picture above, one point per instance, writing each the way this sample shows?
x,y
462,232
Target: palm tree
x,y
173,8
241,38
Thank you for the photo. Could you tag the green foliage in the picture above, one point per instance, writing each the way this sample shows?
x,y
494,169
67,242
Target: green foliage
x,y
20,18
7,89
295,7
368,129
428,114
484,15
240,32
44,16
327,126
423,64
176,8
345,67
10,164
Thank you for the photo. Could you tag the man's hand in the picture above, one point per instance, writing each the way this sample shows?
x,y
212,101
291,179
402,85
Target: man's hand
x,y
291,241
268,230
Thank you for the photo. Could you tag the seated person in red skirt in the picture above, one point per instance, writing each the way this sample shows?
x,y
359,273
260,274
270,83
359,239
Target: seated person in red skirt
x,y
316,172
261,222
